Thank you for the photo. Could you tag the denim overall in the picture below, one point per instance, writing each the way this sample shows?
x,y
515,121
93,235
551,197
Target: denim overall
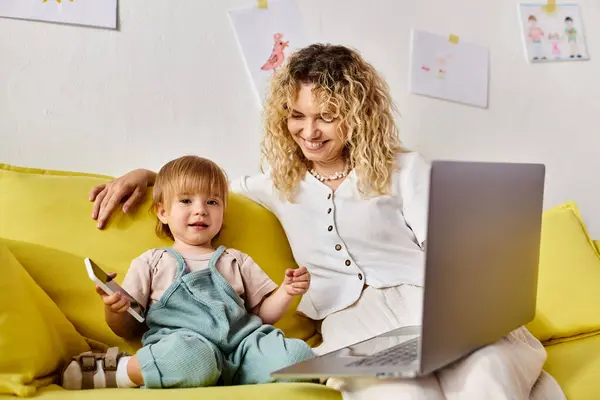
x,y
200,334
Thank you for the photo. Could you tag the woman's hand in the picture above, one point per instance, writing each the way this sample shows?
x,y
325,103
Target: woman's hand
x,y
107,196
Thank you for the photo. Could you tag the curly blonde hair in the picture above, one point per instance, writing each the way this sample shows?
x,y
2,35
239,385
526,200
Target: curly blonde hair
x,y
348,88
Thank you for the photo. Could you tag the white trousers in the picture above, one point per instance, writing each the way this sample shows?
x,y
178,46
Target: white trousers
x,y
511,368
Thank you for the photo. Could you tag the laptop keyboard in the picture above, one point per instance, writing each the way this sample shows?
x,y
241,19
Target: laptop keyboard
x,y
404,353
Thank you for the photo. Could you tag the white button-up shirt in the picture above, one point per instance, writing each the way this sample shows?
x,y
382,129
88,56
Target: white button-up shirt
x,y
346,241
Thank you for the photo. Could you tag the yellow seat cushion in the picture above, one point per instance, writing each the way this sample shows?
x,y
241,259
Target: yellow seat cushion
x,y
36,340
271,391
568,301
576,367
50,211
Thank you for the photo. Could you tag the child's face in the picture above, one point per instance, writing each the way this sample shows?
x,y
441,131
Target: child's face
x,y
194,219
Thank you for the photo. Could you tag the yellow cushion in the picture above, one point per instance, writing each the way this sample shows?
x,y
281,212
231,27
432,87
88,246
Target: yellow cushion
x,y
50,209
576,367
36,340
271,391
568,300
66,283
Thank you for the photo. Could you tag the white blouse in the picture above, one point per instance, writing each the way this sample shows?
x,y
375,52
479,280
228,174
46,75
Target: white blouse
x,y
346,241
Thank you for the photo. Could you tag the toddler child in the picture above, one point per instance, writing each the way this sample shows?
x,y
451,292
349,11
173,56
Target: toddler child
x,y
209,310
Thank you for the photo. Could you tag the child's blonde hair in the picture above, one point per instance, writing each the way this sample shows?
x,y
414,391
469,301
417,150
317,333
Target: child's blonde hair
x,y
187,174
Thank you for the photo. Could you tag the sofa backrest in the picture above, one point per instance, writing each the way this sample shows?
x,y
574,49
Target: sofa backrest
x,y
45,220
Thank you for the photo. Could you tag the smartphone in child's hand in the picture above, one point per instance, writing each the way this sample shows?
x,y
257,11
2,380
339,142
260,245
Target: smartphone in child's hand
x,y
105,282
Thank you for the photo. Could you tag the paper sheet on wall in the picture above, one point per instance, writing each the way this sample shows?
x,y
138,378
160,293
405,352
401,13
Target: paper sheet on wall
x,y
447,70
99,13
555,35
266,37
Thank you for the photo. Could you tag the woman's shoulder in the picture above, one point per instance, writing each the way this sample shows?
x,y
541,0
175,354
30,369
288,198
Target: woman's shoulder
x,y
410,166
258,178
258,187
410,160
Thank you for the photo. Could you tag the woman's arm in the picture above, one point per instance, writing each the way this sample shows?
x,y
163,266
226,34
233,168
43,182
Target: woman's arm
x,y
132,187
258,188
414,189
107,196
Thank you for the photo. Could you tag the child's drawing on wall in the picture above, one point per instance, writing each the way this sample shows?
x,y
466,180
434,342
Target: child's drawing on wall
x,y
443,68
553,34
265,38
277,55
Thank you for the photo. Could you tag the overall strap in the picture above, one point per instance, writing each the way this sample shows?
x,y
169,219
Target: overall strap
x,y
181,267
213,260
223,285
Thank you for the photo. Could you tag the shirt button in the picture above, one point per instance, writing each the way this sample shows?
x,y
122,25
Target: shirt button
x,y
330,228
338,247
328,196
360,277
329,211
347,263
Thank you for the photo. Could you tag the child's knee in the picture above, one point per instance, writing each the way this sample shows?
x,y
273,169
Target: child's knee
x,y
197,367
188,362
297,351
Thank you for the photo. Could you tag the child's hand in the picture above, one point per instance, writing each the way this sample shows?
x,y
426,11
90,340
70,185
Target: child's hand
x,y
297,281
115,302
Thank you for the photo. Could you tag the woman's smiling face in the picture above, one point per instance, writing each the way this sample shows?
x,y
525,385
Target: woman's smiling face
x,y
316,133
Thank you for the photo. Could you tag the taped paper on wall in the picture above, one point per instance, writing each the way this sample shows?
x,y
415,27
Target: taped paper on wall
x,y
553,35
98,13
266,38
448,69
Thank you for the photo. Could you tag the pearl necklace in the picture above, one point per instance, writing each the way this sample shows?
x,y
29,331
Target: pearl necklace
x,y
333,177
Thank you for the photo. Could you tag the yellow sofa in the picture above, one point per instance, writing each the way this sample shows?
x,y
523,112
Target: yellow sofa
x,y
50,311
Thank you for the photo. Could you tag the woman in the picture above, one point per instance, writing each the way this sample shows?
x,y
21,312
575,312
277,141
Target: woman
x,y
353,204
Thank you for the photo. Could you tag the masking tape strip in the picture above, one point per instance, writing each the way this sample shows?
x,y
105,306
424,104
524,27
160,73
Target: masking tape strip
x,y
550,6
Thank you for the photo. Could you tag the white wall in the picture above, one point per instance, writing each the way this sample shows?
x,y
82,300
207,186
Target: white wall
x,y
171,81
